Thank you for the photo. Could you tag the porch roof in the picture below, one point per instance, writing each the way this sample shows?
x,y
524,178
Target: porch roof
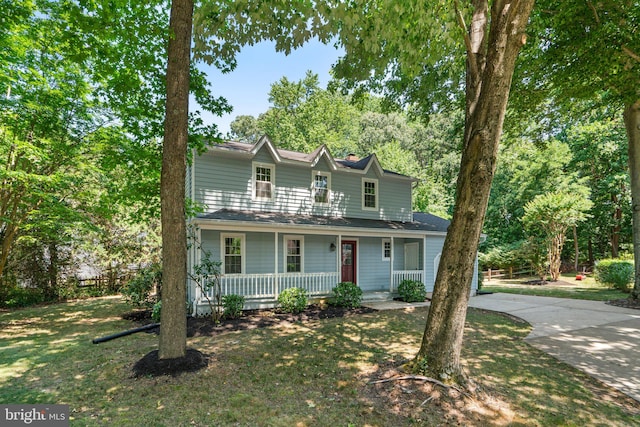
x,y
423,223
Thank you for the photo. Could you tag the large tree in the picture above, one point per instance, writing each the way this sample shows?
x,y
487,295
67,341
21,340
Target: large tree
x,y
173,322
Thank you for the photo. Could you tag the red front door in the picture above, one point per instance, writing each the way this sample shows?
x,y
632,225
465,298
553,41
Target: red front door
x,y
349,261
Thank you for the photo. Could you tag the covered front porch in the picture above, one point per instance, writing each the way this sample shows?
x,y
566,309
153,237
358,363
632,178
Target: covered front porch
x,y
266,286
259,261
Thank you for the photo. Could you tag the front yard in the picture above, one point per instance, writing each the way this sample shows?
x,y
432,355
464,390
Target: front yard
x,y
311,373
566,287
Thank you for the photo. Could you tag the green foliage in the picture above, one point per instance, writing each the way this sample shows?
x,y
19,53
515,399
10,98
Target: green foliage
x,y
206,276
293,300
156,311
232,305
346,294
412,291
21,297
138,291
503,256
616,273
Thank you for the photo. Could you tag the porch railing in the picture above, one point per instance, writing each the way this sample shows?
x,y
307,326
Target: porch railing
x,y
268,284
399,275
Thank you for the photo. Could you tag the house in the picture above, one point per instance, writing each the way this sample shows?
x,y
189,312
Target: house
x,y
278,219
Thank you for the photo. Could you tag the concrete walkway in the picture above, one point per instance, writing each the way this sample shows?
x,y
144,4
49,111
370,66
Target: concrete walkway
x,y
599,339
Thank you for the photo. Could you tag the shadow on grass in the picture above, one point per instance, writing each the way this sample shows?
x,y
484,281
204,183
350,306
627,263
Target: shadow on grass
x,y
299,373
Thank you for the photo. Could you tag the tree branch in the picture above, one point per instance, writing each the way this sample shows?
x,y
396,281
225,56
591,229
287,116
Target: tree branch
x,y
595,12
421,378
467,40
631,53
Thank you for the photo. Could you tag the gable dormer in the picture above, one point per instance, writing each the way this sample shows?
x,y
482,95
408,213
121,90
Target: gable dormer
x,y
262,177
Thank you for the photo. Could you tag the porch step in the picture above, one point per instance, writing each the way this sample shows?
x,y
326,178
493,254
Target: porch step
x,y
377,296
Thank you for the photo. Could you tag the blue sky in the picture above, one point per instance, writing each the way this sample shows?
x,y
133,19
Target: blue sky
x,y
247,87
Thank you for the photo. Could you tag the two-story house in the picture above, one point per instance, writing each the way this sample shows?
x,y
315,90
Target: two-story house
x,y
277,219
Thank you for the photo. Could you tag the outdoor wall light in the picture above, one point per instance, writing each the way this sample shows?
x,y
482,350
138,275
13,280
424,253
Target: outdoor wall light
x,y
332,247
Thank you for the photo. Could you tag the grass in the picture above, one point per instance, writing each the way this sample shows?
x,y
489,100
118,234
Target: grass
x,y
566,287
296,375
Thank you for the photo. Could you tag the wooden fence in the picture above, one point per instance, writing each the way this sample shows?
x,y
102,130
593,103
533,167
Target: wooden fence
x,y
508,273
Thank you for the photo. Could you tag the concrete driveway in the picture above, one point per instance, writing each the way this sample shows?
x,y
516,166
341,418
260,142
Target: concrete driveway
x,y
599,339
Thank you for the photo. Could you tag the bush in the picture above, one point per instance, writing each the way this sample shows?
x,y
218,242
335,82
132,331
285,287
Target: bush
x,y
155,313
138,290
293,300
412,291
616,273
346,294
22,297
232,305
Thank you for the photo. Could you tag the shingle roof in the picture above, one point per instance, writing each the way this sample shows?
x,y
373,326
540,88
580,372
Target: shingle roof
x,y
422,222
242,147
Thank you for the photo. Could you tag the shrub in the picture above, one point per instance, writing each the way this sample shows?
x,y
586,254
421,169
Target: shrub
x,y
346,294
293,300
412,291
22,297
233,305
138,290
616,273
155,313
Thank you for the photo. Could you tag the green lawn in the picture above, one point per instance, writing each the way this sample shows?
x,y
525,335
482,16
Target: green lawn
x,y
566,287
300,374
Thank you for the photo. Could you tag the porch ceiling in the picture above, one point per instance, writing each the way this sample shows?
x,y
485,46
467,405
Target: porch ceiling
x,y
422,224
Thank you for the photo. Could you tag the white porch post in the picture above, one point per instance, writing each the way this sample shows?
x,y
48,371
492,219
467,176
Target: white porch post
x,y
391,265
424,262
196,254
338,257
275,266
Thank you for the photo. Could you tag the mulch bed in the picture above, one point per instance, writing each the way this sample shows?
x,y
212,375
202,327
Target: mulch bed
x,y
251,319
150,365
626,303
194,360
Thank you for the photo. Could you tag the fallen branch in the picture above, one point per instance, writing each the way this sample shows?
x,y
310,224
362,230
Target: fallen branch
x,y
421,378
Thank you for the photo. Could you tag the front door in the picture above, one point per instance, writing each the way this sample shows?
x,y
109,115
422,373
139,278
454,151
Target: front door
x,y
349,261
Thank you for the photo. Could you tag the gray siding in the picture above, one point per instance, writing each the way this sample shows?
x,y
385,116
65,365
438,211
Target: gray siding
x,y
433,249
374,274
225,182
260,251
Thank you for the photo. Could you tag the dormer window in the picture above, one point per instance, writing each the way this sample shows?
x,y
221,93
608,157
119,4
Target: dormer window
x,y
321,188
370,194
263,181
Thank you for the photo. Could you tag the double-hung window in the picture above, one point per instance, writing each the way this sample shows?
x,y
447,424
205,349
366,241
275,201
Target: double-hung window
x,y
233,250
369,194
386,249
263,181
321,188
294,254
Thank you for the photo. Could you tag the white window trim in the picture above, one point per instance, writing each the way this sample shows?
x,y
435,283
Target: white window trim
x,y
390,249
377,187
285,239
313,187
243,250
270,166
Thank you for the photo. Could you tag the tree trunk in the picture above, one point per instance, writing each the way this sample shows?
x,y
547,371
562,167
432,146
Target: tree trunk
x,y
173,320
555,255
490,65
615,230
632,124
576,249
